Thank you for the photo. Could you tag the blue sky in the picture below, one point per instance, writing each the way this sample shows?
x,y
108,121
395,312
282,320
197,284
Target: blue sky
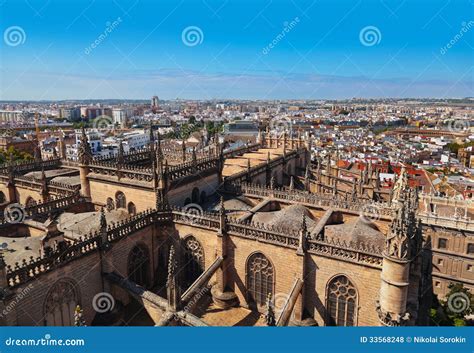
x,y
320,55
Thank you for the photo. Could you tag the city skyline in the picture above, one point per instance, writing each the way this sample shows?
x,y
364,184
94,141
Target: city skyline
x,y
223,50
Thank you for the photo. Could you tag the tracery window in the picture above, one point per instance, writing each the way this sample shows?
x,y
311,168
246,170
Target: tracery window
x,y
132,210
193,260
60,303
120,200
260,277
138,262
109,204
30,201
341,302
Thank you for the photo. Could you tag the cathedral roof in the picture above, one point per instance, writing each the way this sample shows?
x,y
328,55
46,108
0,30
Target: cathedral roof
x,y
357,230
290,217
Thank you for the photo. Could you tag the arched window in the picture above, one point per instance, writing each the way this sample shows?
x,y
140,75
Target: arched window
x,y
132,210
61,300
2,197
341,302
260,276
138,263
120,200
193,260
195,195
110,204
30,201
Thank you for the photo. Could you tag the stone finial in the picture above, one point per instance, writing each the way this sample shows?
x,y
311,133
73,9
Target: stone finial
x,y
303,236
172,286
172,265
307,171
292,183
183,148
102,220
120,157
151,134
84,152
221,205
194,159
270,319
272,182
78,319
222,218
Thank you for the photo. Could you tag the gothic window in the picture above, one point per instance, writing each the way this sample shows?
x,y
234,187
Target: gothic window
x,y
120,200
260,277
341,302
60,303
132,210
138,262
30,201
442,243
470,248
110,204
193,260
2,197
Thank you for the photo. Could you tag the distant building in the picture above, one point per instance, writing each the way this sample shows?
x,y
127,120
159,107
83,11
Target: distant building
x,y
155,102
241,128
71,114
18,144
121,115
11,116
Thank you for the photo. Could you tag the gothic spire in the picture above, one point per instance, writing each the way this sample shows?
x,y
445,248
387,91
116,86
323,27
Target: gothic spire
x,y
84,152
102,220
